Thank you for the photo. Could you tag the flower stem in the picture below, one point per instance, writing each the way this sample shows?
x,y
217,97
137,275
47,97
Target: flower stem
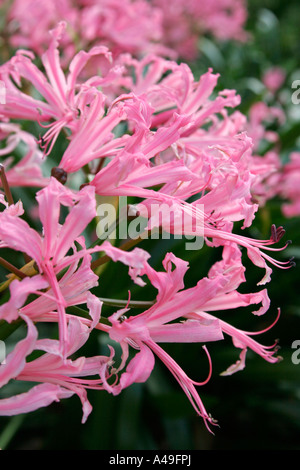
x,y
10,430
124,303
10,267
5,185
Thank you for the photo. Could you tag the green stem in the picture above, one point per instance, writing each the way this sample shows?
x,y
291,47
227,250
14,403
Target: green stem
x,y
10,430
80,312
130,304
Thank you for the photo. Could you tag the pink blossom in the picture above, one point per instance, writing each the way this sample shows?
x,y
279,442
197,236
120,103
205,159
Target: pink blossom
x,y
13,209
230,298
50,251
217,162
19,292
274,78
66,97
159,324
260,115
74,286
28,170
100,142
57,378
143,331
143,128
139,111
267,170
31,31
187,21
134,26
130,26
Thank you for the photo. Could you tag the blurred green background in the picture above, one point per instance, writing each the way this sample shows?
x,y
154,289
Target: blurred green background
x,y
257,408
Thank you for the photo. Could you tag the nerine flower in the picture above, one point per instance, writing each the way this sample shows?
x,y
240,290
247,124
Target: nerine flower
x,y
273,78
57,378
64,98
180,315
50,250
134,26
142,128
186,21
198,133
130,26
32,31
28,170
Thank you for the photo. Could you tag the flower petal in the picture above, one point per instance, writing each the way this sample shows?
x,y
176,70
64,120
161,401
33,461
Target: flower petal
x,y
39,396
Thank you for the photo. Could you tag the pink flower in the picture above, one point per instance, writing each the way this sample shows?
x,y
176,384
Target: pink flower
x,y
163,322
131,26
142,128
94,138
274,78
57,378
232,268
50,251
260,115
13,209
143,331
74,286
225,172
216,164
32,31
28,170
187,21
19,292
267,170
65,97
134,26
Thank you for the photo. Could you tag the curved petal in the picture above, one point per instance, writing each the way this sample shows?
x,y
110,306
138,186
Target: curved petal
x,y
37,397
16,360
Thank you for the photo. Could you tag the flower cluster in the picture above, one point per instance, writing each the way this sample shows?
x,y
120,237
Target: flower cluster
x,y
185,22
133,26
138,128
